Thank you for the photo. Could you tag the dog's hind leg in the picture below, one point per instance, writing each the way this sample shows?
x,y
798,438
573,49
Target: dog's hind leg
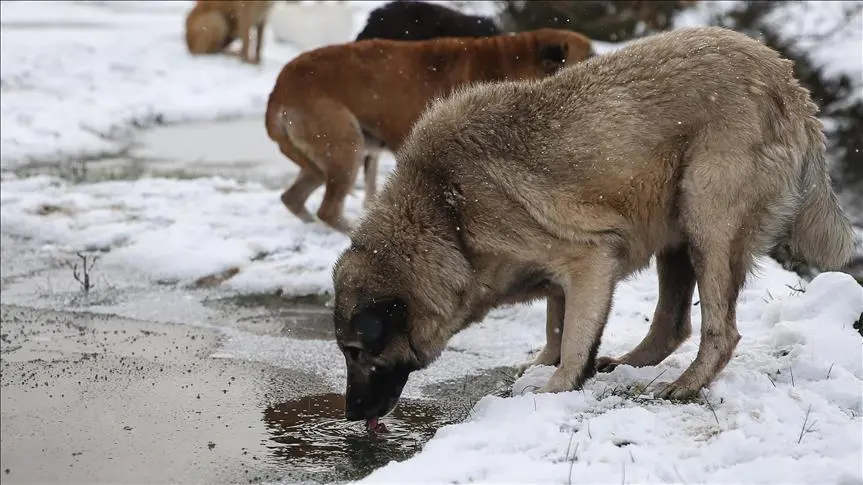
x,y
370,175
336,145
339,185
294,198
723,223
671,323
323,137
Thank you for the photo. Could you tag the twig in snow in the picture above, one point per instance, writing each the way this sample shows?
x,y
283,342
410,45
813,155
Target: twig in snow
x,y
830,370
526,388
710,406
771,380
574,457
804,429
796,290
651,382
83,277
588,431
791,370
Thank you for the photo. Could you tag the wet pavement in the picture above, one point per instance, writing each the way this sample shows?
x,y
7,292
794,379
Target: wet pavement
x,y
94,398
132,383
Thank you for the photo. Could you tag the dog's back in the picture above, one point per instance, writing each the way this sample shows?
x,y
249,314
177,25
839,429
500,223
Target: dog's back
x,y
411,20
401,77
705,111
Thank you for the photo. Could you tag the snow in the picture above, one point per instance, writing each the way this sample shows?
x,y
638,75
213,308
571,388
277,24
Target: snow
x,y
746,428
119,66
828,33
179,230
797,367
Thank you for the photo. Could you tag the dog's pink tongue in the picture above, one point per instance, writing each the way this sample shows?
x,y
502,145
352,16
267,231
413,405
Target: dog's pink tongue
x,y
374,426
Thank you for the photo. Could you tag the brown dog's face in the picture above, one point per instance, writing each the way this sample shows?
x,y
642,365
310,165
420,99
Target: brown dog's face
x,y
558,49
399,298
372,331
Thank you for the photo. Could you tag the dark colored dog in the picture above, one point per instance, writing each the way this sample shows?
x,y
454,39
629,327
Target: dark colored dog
x,y
407,20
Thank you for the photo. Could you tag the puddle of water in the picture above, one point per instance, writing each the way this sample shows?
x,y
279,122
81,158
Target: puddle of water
x,y
312,434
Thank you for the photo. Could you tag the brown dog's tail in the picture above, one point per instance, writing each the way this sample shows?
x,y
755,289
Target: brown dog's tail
x,y
273,121
821,233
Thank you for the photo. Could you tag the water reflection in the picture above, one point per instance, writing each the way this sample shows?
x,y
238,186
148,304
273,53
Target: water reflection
x,y
312,434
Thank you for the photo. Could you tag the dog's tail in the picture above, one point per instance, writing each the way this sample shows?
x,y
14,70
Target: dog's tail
x,y
821,234
273,120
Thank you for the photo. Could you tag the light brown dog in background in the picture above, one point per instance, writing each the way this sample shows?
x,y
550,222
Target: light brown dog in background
x,y
332,105
212,25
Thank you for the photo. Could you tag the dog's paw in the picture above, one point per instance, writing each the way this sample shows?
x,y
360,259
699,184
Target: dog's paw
x,y
545,357
679,390
561,381
607,364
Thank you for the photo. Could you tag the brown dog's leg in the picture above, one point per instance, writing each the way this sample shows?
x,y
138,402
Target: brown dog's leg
x,y
332,208
294,198
328,141
671,324
259,40
370,176
550,354
244,24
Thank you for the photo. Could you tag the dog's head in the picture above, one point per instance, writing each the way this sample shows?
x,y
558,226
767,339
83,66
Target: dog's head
x,y
557,48
394,314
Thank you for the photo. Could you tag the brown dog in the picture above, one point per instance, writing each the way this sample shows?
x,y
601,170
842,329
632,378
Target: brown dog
x,y
212,25
331,105
697,146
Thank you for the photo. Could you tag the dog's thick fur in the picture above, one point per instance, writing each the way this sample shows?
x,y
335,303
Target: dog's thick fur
x,y
333,105
212,25
697,146
410,20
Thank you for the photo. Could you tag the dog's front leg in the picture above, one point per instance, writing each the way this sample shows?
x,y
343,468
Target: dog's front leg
x,y
244,22
259,41
588,289
550,354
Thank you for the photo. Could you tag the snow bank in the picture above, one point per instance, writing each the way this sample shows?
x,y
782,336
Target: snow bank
x,y
179,230
787,409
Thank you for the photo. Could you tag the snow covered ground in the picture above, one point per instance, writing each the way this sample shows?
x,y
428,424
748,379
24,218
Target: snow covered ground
x,y
787,409
79,85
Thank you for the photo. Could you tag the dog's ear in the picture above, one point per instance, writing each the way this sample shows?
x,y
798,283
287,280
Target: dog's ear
x,y
553,56
377,320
